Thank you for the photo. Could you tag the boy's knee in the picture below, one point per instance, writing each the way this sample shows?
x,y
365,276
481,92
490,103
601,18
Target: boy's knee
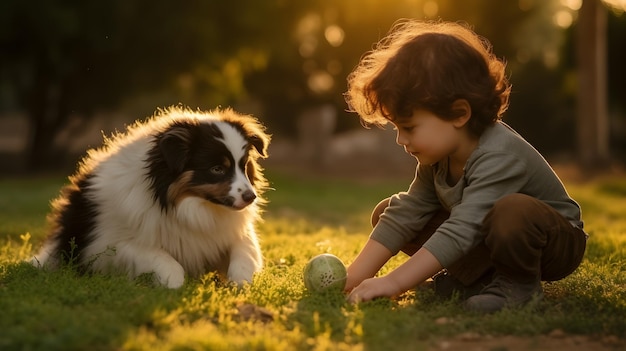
x,y
514,201
510,213
378,210
513,205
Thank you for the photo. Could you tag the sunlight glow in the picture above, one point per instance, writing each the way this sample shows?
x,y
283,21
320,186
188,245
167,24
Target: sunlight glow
x,y
334,35
617,5
431,8
305,33
308,24
320,81
563,19
307,47
573,5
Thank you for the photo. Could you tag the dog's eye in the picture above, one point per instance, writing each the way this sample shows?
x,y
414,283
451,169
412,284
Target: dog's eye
x,y
218,170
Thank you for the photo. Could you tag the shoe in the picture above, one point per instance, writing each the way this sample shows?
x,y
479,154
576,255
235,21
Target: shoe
x,y
504,292
447,286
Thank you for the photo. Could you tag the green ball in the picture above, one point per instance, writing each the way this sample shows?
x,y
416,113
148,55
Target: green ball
x,y
325,272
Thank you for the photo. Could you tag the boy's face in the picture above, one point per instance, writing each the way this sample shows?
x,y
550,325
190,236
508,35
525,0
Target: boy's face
x,y
427,137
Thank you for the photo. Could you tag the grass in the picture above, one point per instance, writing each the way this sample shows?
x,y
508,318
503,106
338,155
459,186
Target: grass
x,y
64,311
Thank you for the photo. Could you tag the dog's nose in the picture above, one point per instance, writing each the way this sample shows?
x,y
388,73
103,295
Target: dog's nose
x,y
248,196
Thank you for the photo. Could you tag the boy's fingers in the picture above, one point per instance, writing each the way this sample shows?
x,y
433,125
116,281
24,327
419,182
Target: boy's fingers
x,y
354,298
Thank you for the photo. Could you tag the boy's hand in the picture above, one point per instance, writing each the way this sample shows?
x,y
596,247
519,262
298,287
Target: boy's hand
x,y
373,256
351,283
373,288
416,270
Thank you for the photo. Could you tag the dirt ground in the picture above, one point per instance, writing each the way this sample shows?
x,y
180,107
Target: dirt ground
x,y
555,341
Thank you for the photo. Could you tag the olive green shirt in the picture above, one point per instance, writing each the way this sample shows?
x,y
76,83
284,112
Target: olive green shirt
x,y
502,164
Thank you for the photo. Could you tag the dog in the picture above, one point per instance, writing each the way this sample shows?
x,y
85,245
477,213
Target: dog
x,y
178,194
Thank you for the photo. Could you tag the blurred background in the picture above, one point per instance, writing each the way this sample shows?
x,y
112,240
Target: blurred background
x,y
73,70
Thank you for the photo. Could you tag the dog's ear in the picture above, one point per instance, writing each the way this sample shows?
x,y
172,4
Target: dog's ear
x,y
260,142
174,146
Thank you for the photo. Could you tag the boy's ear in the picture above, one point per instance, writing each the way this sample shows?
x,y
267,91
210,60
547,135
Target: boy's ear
x,y
462,110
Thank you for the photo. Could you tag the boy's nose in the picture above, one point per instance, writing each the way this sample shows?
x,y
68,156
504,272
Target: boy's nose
x,y
400,139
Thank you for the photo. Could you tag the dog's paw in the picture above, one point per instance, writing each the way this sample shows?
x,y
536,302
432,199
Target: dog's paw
x,y
240,273
170,275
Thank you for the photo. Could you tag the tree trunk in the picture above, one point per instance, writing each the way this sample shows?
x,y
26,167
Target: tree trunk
x,y
47,115
593,123
39,138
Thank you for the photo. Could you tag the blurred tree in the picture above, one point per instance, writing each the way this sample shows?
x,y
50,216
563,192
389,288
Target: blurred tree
x,y
591,54
616,52
553,45
68,57
327,38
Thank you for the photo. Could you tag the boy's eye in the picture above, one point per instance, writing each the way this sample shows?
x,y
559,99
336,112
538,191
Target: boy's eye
x,y
404,127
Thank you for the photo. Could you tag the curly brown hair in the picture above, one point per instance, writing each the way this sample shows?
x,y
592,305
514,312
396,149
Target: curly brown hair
x,y
429,65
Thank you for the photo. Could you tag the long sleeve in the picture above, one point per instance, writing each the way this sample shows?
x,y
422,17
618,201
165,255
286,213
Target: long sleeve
x,y
408,212
502,164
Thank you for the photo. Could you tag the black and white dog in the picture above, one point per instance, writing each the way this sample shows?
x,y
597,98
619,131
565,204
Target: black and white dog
x,y
176,195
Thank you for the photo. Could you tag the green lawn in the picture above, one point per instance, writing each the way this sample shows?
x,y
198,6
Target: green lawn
x,y
63,311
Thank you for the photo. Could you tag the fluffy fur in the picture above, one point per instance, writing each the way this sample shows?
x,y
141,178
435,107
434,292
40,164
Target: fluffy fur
x,y
176,195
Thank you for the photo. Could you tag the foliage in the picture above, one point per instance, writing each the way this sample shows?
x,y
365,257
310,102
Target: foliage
x,y
64,60
64,311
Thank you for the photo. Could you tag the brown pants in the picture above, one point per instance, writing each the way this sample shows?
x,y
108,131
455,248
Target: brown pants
x,y
525,239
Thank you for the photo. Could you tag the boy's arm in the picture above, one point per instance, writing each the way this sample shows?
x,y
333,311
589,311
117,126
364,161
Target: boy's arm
x,y
421,266
371,258
408,212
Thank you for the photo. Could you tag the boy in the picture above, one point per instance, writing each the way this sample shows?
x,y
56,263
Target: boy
x,y
484,203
